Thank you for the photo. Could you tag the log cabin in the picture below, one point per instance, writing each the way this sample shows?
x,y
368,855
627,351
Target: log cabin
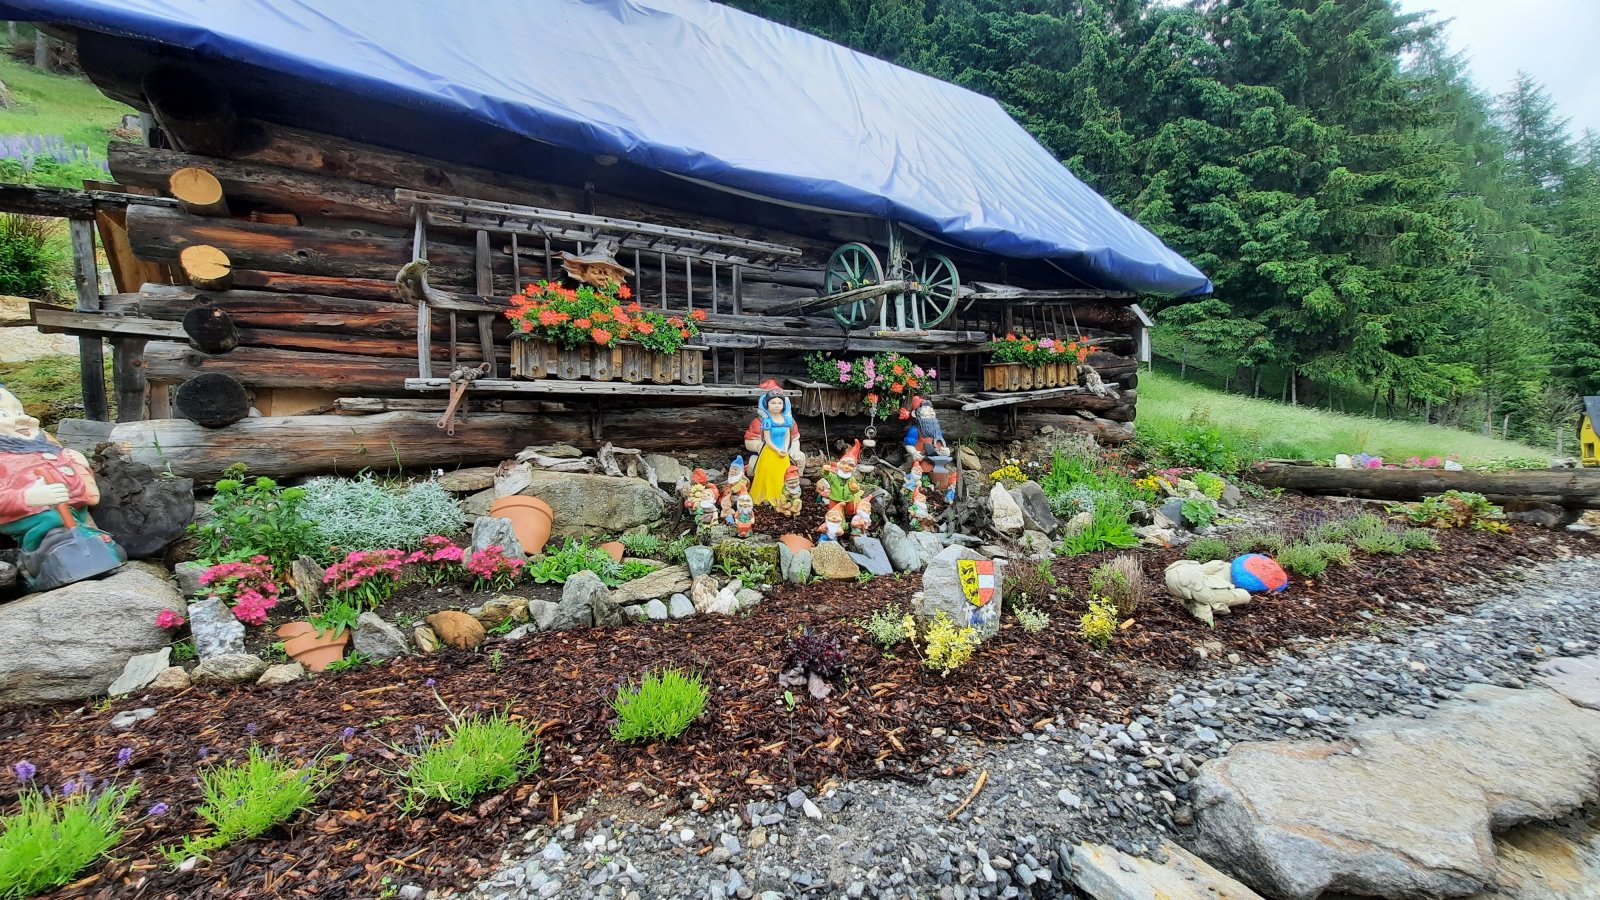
x,y
314,251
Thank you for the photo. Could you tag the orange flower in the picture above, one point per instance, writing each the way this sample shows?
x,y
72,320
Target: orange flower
x,y
625,292
582,323
1029,346
1010,337
550,317
872,398
897,388
632,307
1083,353
698,315
675,322
601,336
911,382
600,317
684,332
525,326
646,328
899,370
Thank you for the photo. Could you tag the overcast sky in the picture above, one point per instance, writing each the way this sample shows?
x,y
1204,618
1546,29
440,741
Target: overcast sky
x,y
1555,41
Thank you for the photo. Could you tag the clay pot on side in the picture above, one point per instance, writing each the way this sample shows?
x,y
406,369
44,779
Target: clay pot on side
x,y
531,519
311,648
795,542
614,548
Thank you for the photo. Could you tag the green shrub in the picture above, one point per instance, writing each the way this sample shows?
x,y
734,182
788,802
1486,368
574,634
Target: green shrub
x,y
887,626
244,799
646,545
475,755
255,517
32,263
1120,582
51,839
1108,530
1268,542
1025,583
1303,559
1332,531
1209,484
1384,540
1455,509
1366,523
1099,625
1419,539
1032,619
1199,513
1207,549
1335,554
661,705
572,557
362,513
1200,444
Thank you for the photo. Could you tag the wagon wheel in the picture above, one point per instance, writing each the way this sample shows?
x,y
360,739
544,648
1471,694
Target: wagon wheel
x,y
937,289
853,266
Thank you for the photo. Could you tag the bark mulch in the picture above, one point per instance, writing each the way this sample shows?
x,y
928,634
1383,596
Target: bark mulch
x,y
749,744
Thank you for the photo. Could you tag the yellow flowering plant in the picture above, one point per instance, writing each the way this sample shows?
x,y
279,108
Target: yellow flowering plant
x,y
949,647
1099,625
1009,475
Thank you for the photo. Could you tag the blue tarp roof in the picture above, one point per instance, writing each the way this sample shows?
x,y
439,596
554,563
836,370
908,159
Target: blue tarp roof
x,y
683,86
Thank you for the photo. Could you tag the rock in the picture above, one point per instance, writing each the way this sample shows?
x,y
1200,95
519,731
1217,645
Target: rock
x,y
668,470
872,556
1155,535
425,639
1037,545
1035,507
1231,496
1077,524
699,560
703,593
748,597
1004,512
680,607
465,481
72,643
542,614
216,632
493,531
501,608
586,505
726,603
607,611
456,629
188,578
968,458
1575,677
900,549
794,565
830,560
288,673
928,546
637,612
140,671
376,639
305,577
577,606
229,667
172,678
1401,807
1540,514
1546,862
128,718
660,583
555,451
522,631
657,611
1170,515
942,592
1205,588
1106,873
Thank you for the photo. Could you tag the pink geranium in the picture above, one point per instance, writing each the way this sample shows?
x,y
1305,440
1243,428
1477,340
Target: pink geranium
x,y
366,577
439,559
249,586
170,619
494,569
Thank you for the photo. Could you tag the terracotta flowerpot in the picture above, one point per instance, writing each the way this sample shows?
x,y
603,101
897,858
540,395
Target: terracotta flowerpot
x,y
312,648
531,519
614,548
795,542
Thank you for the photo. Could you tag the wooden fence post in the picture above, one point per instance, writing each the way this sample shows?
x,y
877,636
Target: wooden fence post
x,y
91,350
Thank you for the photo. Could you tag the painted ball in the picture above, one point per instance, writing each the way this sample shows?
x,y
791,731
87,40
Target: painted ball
x,y
1255,572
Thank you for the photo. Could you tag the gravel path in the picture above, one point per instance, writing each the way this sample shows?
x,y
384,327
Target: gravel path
x,y
1077,780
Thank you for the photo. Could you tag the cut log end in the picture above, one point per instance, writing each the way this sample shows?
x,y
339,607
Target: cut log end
x,y
206,267
213,400
199,191
210,330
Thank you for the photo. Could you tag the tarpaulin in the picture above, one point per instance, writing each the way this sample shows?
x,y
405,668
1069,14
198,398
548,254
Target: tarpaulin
x,y
682,86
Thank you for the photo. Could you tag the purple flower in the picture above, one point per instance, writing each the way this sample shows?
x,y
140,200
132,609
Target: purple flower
x,y
124,756
348,733
24,771
160,809
70,788
204,752
429,683
251,728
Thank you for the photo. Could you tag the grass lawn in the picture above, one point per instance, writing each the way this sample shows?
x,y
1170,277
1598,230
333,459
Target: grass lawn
x,y
58,105
1267,428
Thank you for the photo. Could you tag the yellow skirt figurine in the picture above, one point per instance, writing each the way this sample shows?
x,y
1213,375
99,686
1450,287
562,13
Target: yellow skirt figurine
x,y
778,436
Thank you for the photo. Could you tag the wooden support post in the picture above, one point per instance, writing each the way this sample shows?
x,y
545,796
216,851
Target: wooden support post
x,y
198,192
91,351
161,401
128,374
484,270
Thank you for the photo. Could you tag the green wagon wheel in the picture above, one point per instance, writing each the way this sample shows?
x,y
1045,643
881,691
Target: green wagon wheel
x,y
937,288
853,266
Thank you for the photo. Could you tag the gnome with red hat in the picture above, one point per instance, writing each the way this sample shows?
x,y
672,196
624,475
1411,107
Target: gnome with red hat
x,y
925,442
840,489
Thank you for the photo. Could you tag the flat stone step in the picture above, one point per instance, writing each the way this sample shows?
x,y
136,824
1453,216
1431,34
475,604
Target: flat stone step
x,y
1106,873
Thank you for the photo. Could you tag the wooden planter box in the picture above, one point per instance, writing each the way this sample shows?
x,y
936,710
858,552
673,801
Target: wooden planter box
x,y
624,361
828,401
1018,377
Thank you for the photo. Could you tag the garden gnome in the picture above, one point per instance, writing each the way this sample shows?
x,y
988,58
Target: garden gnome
x,y
1206,588
832,523
754,440
779,439
596,268
838,484
925,443
735,485
701,497
45,492
791,503
744,515
918,509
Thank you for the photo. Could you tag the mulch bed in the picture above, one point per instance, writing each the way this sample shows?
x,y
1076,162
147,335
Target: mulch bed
x,y
750,744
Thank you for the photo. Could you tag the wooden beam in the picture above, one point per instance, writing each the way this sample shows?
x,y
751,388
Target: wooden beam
x,y
128,374
197,191
38,200
1572,488
263,367
91,351
603,388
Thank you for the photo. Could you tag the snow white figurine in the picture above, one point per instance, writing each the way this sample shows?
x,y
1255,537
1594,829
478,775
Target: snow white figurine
x,y
779,438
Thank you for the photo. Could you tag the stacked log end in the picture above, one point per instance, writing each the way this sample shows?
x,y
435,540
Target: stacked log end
x,y
206,267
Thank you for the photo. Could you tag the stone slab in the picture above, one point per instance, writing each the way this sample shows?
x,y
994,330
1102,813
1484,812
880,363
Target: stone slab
x,y
1106,873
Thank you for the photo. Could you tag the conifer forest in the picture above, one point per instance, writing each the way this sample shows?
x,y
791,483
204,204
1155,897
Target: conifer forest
x,y
1385,235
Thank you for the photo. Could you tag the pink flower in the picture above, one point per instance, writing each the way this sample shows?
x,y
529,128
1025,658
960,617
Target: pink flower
x,y
169,619
933,373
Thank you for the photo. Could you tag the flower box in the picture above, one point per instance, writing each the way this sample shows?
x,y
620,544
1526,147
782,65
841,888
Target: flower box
x,y
1021,377
624,361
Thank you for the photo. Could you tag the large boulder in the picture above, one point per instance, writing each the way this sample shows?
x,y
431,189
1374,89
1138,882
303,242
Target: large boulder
x,y
1402,807
456,629
830,560
578,597
73,642
660,583
902,552
587,505
942,592
1035,505
1005,514
236,668
215,630
494,531
376,639
871,555
928,546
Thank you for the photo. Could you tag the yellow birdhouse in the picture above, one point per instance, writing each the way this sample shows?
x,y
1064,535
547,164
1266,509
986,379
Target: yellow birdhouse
x,y
1588,426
